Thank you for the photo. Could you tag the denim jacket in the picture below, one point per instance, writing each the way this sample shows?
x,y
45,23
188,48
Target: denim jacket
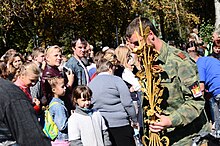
x,y
78,71
60,117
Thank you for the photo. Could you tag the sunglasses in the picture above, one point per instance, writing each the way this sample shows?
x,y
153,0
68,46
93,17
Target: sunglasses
x,y
136,43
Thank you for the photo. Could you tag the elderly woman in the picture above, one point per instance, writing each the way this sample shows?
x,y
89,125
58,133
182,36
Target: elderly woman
x,y
112,98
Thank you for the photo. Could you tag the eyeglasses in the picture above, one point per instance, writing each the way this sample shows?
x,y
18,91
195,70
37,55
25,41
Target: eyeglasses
x,y
136,43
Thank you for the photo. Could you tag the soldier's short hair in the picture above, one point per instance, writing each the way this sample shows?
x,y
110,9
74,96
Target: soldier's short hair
x,y
135,25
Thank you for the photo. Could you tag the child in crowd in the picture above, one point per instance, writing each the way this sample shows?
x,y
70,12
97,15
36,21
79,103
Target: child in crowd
x,y
26,76
58,110
38,57
86,126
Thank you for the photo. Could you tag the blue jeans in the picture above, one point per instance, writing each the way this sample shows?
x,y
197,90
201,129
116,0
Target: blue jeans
x,y
212,108
214,103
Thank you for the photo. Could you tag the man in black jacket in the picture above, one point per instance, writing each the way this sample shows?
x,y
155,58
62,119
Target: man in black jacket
x,y
18,122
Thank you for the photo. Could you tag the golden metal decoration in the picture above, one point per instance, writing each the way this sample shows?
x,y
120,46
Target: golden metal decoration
x,y
149,78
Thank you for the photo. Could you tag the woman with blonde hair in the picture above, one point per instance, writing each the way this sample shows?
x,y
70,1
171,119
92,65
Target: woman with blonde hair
x,y
53,56
26,76
123,55
126,62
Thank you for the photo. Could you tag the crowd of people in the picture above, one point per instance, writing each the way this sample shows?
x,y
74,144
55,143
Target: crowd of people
x,y
96,99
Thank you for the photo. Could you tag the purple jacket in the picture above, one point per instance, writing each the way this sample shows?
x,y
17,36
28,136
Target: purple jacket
x,y
49,72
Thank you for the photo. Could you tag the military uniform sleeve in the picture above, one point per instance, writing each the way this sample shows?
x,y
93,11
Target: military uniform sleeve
x,y
194,103
23,124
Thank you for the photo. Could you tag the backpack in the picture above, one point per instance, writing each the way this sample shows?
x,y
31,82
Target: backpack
x,y
50,128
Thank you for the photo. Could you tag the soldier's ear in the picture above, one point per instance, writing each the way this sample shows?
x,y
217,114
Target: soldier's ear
x,y
153,39
151,36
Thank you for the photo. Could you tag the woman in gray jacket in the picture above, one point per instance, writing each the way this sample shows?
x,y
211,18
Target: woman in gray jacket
x,y
111,97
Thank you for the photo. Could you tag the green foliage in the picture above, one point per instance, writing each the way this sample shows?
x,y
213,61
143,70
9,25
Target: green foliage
x,y
173,17
65,40
206,30
28,23
56,21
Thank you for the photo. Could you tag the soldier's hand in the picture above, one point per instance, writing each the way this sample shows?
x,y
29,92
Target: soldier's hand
x,y
163,123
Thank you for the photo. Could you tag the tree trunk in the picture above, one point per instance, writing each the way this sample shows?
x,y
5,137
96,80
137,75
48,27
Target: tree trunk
x,y
217,13
178,18
162,27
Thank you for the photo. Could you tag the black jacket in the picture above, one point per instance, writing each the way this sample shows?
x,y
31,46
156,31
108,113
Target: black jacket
x,y
18,121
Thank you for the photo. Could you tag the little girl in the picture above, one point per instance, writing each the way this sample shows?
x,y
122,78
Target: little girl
x,y
86,127
58,110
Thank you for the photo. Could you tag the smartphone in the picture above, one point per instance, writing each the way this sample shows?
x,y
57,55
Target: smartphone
x,y
68,70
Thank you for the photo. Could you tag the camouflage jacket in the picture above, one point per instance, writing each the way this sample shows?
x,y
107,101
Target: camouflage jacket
x,y
184,103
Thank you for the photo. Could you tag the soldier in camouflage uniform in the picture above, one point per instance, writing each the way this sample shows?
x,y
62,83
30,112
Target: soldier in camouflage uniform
x,y
183,112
